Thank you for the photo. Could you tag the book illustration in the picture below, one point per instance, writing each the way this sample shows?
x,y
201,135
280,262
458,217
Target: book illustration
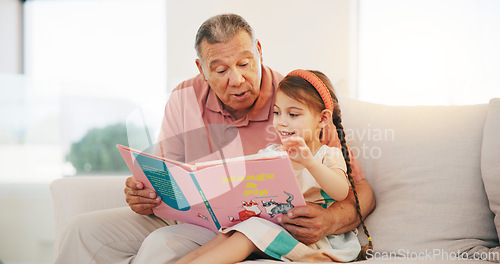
x,y
218,193
250,209
273,208
202,217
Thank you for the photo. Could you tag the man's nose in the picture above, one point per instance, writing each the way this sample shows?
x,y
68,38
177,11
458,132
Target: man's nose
x,y
236,78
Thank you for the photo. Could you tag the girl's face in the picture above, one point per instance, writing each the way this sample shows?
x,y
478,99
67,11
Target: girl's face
x,y
293,118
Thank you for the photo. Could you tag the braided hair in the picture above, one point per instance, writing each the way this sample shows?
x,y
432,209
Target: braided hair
x,y
303,91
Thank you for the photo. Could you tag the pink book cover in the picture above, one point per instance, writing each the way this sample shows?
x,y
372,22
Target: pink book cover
x,y
219,193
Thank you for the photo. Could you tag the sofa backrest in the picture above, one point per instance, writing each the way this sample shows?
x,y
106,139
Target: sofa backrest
x,y
72,196
423,163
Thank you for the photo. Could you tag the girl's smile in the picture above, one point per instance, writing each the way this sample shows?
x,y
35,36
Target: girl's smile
x,y
294,118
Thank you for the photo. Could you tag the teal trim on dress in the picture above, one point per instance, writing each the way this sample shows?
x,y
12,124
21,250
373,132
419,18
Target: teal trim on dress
x,y
282,244
327,198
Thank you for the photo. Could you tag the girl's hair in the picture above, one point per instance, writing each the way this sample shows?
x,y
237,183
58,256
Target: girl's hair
x,y
303,91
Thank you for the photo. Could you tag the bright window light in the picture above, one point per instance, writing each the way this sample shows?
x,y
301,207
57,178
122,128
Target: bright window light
x,y
429,52
89,65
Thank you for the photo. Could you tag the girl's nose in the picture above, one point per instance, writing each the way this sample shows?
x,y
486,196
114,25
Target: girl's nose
x,y
282,122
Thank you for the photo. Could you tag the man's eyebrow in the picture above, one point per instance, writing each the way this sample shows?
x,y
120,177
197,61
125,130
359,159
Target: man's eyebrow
x,y
244,54
212,63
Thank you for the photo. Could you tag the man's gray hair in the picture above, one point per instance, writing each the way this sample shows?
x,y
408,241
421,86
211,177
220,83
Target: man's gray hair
x,y
220,28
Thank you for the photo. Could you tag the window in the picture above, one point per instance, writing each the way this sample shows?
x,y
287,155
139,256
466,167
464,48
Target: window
x,y
429,52
89,67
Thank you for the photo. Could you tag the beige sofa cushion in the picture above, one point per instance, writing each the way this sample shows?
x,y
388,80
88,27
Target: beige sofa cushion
x,y
423,164
72,196
490,159
490,168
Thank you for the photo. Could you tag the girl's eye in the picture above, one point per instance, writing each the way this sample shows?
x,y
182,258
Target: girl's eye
x,y
276,113
294,115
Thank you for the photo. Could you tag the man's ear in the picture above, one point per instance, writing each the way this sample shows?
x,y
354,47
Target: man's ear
x,y
259,48
200,69
326,118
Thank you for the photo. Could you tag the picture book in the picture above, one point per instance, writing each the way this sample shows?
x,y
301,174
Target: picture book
x,y
218,193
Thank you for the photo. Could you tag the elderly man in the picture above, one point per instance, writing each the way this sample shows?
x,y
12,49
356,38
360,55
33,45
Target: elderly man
x,y
225,111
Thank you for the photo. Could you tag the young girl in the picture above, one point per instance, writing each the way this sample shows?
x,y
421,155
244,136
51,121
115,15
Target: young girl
x,y
305,106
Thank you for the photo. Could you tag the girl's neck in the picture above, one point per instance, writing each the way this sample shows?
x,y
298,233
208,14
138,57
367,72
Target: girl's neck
x,y
314,146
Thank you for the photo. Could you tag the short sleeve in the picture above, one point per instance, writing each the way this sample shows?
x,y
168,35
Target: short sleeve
x,y
332,158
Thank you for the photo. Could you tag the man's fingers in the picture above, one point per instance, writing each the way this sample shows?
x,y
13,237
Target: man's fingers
x,y
143,200
302,233
144,208
140,200
136,188
132,183
299,219
304,223
302,211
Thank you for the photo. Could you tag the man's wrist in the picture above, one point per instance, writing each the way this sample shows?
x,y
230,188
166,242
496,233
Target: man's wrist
x,y
343,216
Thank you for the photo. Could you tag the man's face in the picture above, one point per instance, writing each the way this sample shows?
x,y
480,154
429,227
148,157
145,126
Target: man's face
x,y
233,71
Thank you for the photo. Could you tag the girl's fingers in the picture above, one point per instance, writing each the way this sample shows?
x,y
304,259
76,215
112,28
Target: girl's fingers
x,y
293,141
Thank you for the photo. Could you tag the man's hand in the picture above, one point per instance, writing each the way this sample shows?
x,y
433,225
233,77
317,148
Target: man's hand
x,y
308,224
140,200
311,222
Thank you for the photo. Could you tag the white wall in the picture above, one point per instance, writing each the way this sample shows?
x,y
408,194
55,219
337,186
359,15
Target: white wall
x,y
10,36
293,33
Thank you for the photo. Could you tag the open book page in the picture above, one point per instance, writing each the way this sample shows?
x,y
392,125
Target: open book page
x,y
220,194
131,151
259,156
237,191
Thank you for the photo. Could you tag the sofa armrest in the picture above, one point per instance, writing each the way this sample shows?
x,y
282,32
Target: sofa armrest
x,y
72,196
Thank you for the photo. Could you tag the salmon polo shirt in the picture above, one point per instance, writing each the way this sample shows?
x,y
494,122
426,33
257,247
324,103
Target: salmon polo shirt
x,y
196,127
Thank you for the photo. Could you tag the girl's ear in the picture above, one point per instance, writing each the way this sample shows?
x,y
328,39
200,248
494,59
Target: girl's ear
x,y
326,118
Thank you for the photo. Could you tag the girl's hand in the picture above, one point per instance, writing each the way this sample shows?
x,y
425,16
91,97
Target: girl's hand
x,y
297,150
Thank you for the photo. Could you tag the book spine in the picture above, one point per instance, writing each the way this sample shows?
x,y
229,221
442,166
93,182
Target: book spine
x,y
205,201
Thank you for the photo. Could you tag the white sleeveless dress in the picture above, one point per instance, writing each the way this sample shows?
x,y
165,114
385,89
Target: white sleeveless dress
x,y
276,242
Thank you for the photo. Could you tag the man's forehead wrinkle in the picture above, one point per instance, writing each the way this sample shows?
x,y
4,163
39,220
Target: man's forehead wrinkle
x,y
212,60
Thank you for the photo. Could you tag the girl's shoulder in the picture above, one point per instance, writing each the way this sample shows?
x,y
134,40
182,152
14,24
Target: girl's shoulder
x,y
326,151
331,157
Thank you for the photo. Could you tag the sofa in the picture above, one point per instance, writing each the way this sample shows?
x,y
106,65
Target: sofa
x,y
434,170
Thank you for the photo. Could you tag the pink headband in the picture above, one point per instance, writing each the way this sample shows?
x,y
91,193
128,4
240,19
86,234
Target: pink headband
x,y
318,84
